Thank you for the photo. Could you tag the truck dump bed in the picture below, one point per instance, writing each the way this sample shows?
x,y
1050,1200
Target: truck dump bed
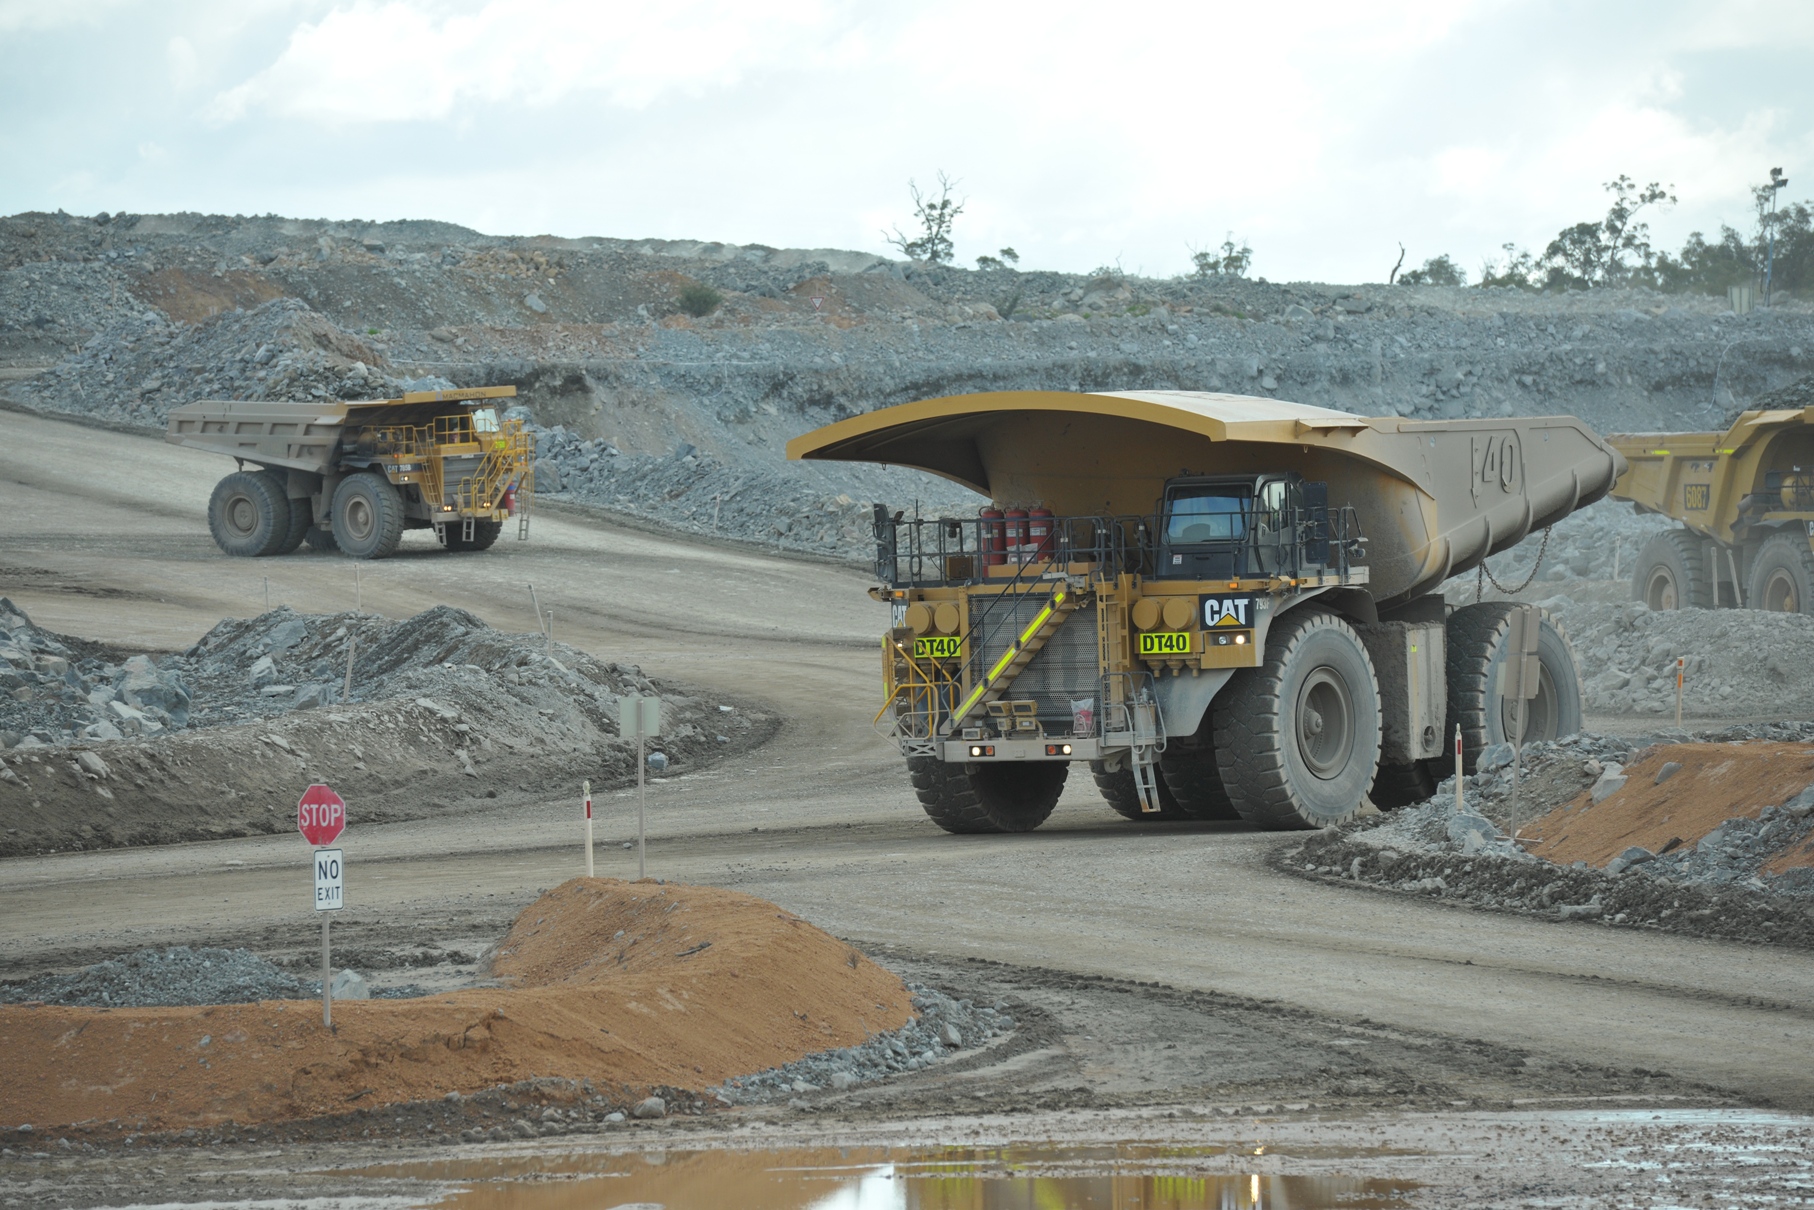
x,y
1433,498
1758,472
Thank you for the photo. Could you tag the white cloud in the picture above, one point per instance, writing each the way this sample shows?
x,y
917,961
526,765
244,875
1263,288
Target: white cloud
x,y
398,61
53,14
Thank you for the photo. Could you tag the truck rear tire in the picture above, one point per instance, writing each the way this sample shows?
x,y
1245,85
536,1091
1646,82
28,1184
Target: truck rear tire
x,y
302,519
1782,575
1477,649
368,517
249,514
1195,782
1672,574
1396,786
969,799
1297,739
484,535
1119,791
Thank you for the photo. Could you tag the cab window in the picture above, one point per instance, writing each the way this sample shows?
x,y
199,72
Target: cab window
x,y
1207,514
485,420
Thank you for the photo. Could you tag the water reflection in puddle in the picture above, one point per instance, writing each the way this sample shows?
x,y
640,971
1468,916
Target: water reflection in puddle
x,y
1088,1178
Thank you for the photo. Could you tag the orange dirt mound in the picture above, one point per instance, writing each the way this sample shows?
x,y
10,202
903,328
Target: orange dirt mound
x,y
628,984
1716,782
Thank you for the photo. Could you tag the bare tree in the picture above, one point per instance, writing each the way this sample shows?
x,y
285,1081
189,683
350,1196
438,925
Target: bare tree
x,y
936,216
1393,276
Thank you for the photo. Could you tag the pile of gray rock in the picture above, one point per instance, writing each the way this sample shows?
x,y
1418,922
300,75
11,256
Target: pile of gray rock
x,y
178,975
1736,661
1710,888
51,694
942,1026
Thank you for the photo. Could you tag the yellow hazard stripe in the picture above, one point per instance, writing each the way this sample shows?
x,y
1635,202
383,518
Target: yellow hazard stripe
x,y
971,700
1007,657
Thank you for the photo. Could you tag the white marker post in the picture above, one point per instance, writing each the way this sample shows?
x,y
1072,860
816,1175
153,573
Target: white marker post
x,y
1461,802
640,717
586,790
1680,665
329,868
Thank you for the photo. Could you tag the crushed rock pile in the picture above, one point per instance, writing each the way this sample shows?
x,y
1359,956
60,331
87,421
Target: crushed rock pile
x,y
444,711
676,987
942,1027
51,694
1738,867
177,975
169,307
1737,661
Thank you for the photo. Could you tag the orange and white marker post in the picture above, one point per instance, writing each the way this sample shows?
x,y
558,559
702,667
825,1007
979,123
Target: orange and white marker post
x,y
586,789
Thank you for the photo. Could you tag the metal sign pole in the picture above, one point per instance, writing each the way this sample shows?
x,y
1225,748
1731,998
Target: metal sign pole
x,y
1461,803
1679,664
327,987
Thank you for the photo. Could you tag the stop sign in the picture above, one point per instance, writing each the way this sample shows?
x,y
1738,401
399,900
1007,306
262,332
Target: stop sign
x,y
321,815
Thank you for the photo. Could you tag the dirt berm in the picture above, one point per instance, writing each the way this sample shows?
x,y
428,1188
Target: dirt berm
x,y
631,986
446,712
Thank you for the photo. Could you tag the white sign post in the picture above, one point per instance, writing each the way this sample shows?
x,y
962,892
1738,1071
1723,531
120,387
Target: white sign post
x,y
330,869
586,790
640,717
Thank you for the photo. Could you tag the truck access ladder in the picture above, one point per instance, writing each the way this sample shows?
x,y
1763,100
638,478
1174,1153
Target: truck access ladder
x,y
1064,600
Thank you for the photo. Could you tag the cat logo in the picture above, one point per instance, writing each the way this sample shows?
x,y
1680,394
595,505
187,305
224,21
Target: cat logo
x,y
1227,611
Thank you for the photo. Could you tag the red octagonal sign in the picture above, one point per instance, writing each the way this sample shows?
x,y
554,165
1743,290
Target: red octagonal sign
x,y
321,815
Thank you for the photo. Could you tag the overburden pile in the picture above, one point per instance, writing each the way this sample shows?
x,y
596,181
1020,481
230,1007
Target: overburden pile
x,y
444,710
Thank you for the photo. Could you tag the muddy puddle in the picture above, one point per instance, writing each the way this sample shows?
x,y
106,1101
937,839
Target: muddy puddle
x,y
1122,1177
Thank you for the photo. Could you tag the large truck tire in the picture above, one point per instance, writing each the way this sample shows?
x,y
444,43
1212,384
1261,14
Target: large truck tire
x,y
1195,782
1672,574
484,535
968,799
1782,575
302,518
322,540
1396,786
1297,739
249,514
368,517
1119,791
1477,645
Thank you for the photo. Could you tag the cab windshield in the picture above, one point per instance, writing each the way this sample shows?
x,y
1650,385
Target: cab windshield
x,y
1207,514
485,420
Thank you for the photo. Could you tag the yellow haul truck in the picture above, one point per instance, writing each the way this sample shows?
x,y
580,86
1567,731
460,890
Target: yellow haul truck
x,y
353,476
1227,606
1745,498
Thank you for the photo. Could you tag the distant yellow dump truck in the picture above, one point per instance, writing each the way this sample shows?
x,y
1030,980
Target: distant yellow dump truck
x,y
1227,606
353,476
1745,498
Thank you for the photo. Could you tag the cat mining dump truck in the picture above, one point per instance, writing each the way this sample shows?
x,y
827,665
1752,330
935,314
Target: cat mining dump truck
x,y
1745,498
353,476
1228,606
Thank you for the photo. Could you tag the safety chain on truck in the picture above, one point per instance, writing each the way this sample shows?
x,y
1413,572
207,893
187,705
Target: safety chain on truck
x,y
1487,573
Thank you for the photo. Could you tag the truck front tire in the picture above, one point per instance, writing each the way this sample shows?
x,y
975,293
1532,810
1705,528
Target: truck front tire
x,y
368,517
1782,575
968,799
1477,646
1672,574
1297,739
249,514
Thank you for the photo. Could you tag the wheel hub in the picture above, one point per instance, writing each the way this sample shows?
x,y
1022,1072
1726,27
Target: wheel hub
x,y
1325,730
1780,595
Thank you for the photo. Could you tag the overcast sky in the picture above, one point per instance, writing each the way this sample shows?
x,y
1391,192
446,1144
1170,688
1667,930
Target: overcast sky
x,y
1322,132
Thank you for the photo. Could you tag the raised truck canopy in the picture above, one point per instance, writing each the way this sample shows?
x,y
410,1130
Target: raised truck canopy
x,y
1433,497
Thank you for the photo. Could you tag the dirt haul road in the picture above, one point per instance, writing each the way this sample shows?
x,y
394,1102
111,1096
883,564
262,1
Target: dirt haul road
x,y
106,538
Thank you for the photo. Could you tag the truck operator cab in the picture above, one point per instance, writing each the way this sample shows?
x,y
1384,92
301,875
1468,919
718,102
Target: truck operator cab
x,y
1225,527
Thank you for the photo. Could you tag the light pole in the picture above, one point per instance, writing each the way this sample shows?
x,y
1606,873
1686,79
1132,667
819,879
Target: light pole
x,y
1777,181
